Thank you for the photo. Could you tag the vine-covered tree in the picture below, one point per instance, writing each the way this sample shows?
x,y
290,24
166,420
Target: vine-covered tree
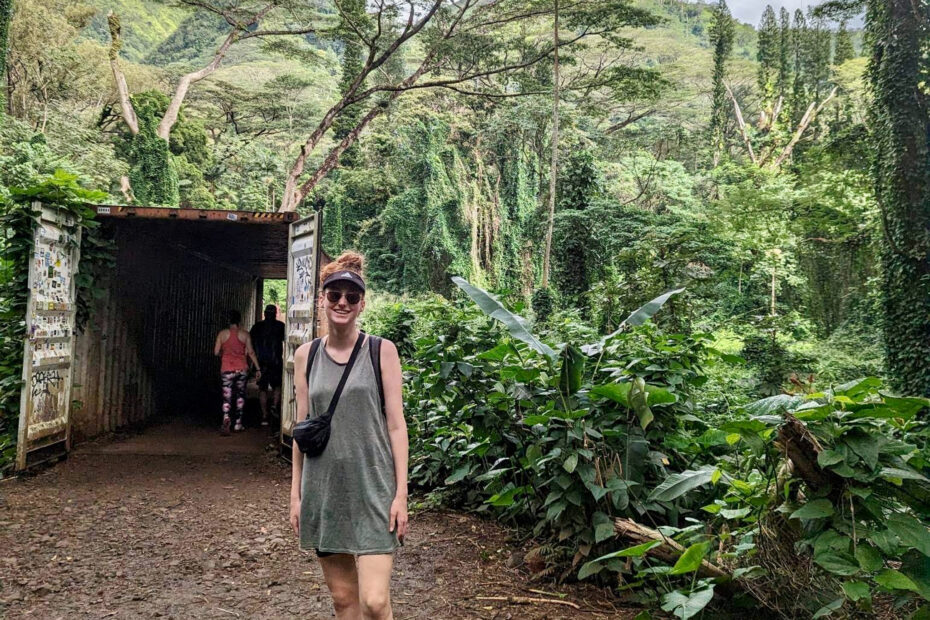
x,y
799,39
784,53
721,39
768,56
898,34
6,14
354,18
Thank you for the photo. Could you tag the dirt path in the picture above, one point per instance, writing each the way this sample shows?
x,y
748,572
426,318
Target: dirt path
x,y
174,524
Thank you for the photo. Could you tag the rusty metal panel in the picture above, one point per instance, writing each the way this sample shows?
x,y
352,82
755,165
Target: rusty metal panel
x,y
242,217
48,350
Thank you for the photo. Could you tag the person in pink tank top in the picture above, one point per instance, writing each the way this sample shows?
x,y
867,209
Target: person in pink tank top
x,y
234,348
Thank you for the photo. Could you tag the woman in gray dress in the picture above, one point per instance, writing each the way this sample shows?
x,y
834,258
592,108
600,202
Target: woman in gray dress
x,y
349,504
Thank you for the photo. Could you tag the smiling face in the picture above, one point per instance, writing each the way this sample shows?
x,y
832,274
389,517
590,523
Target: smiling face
x,y
341,312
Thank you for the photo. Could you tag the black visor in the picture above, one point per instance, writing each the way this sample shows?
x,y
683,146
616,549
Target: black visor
x,y
345,276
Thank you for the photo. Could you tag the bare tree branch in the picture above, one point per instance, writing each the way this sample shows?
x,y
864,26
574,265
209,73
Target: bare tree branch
x,y
630,119
116,42
742,125
809,116
289,199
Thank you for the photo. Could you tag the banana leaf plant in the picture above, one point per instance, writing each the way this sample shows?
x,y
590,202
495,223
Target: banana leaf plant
x,y
573,358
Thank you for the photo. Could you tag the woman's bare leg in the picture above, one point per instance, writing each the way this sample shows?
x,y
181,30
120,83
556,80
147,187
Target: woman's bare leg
x,y
374,586
342,580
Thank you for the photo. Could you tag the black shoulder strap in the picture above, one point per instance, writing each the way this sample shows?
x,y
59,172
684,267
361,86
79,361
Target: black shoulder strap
x,y
314,346
374,348
345,374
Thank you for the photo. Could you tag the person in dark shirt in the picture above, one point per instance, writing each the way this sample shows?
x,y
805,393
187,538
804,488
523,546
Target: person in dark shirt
x,y
268,342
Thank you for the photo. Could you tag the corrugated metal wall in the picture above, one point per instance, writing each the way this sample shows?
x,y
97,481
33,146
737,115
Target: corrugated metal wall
x,y
148,350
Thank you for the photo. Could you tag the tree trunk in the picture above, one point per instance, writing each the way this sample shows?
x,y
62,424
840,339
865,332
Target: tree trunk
x,y
554,167
899,116
116,42
174,108
6,15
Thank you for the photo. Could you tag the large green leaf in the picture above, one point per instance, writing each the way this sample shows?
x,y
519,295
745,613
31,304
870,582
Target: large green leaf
x,y
677,485
838,564
691,559
816,509
910,532
829,608
773,404
458,474
855,590
869,558
514,323
631,552
894,580
686,606
589,568
637,317
902,474
617,392
858,386
907,407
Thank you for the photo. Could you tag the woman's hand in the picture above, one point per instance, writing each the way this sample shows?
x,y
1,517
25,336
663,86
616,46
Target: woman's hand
x,y
399,517
295,515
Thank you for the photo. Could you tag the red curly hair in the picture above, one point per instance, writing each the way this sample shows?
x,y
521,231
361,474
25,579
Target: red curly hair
x,y
347,261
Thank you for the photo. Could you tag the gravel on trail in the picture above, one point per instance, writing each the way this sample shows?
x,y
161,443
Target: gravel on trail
x,y
178,522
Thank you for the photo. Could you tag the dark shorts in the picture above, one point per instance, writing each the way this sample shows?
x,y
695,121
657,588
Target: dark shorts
x,y
271,376
323,554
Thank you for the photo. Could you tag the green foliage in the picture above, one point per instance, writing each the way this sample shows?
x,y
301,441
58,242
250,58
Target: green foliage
x,y
423,227
543,304
153,175
843,49
145,25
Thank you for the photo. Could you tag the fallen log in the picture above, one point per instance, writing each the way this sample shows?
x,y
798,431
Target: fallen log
x,y
668,552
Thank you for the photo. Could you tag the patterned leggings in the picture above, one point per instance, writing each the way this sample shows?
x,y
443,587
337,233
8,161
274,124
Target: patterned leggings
x,y
234,386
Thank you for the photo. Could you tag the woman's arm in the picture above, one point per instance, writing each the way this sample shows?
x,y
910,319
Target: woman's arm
x,y
392,379
218,344
297,457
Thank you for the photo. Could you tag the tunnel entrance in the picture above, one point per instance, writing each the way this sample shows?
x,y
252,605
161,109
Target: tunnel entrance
x,y
146,353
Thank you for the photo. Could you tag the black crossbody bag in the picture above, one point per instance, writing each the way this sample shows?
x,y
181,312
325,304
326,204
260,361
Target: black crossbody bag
x,y
312,434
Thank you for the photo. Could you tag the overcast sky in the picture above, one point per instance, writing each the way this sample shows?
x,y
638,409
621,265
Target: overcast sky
x,y
750,11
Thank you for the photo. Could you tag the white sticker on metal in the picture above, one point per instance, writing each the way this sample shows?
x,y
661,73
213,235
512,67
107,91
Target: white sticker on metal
x,y
103,210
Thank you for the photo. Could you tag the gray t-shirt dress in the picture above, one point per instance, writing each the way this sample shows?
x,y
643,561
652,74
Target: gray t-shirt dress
x,y
346,492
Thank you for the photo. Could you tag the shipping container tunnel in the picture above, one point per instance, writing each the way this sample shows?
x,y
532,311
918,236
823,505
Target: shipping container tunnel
x,y
147,351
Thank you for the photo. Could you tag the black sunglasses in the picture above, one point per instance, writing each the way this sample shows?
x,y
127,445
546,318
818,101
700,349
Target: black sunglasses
x,y
352,298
